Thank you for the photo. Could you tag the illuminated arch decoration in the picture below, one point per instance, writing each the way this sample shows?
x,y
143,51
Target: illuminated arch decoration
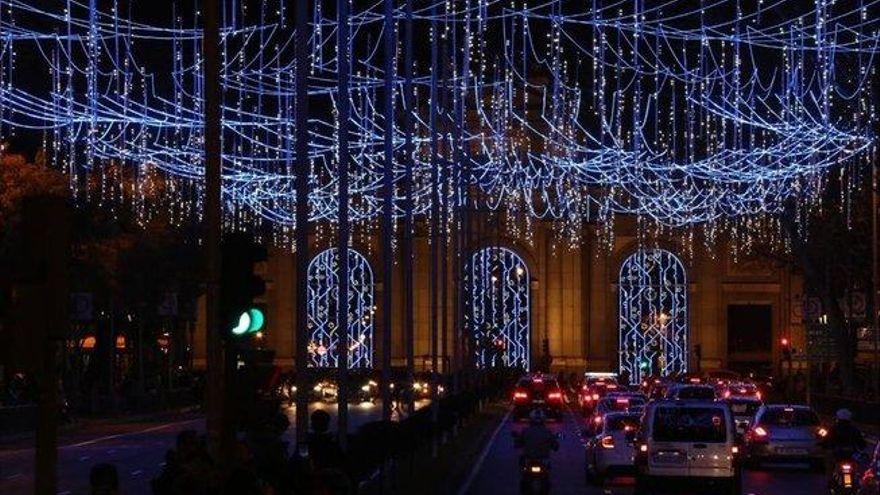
x,y
323,300
498,315
653,315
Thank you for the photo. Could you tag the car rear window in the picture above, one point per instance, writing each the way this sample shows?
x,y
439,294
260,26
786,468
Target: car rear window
x,y
689,424
618,422
744,407
696,393
789,417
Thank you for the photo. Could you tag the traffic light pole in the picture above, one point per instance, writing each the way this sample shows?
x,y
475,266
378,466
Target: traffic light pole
x,y
220,435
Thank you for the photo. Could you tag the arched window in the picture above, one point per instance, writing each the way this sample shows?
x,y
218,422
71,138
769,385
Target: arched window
x,y
323,279
653,315
498,316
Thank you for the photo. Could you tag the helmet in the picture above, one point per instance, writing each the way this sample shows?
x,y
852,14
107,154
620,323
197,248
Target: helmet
x,y
536,417
843,415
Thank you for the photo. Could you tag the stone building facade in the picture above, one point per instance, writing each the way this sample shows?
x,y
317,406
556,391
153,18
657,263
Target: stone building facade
x,y
574,302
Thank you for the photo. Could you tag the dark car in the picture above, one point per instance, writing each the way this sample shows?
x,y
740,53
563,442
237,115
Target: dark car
x,y
537,392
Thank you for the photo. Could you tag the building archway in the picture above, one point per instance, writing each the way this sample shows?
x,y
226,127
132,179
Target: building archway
x,y
323,300
498,311
652,315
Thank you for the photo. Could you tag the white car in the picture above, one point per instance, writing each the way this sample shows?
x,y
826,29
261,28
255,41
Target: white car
x,y
610,452
687,439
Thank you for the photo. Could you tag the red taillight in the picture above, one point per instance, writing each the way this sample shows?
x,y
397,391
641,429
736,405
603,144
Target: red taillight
x,y
821,432
597,419
727,394
555,396
759,434
608,442
846,468
520,395
595,396
758,395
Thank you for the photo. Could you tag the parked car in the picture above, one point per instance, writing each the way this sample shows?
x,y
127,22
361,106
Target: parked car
x,y
683,440
786,433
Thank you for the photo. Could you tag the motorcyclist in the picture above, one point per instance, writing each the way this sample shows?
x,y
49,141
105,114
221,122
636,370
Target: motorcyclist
x,y
537,440
844,438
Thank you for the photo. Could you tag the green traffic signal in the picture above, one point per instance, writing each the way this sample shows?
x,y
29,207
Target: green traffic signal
x,y
257,320
250,321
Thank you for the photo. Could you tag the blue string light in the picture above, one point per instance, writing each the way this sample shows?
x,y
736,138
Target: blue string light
x,y
679,115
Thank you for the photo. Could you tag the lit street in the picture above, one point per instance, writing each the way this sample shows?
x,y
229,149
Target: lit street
x,y
568,477
137,449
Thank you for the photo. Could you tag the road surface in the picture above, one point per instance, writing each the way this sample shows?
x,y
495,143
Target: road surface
x,y
137,448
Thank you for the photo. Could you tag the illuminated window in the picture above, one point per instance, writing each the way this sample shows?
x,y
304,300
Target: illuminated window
x,y
498,316
653,315
323,280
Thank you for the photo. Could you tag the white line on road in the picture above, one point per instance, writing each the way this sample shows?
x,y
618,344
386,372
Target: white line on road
x,y
118,435
110,437
479,464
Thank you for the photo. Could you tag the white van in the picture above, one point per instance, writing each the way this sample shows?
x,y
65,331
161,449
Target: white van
x,y
682,439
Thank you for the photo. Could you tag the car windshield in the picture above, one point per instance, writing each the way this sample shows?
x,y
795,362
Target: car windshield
x,y
789,417
696,393
689,424
619,422
744,407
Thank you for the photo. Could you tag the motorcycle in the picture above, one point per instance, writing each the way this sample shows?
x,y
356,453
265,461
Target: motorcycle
x,y
535,477
845,476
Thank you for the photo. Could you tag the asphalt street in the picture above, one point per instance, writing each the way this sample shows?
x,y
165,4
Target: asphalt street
x,y
137,449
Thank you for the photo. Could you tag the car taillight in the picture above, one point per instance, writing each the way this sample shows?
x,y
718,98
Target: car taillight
x,y
846,468
758,395
555,396
519,395
597,419
607,442
759,434
734,450
727,394
821,433
535,469
643,447
595,396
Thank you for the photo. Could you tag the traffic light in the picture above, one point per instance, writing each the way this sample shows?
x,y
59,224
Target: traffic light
x,y
240,286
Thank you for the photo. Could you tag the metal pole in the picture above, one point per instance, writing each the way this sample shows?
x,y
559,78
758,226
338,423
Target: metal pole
x,y
302,222
387,206
342,322
407,244
435,227
219,437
